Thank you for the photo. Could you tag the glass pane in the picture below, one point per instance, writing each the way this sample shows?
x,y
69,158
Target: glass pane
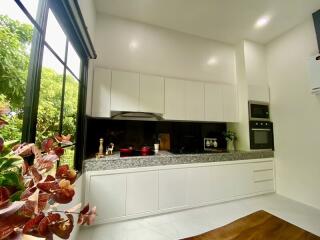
x,y
55,36
73,60
68,157
16,34
31,6
70,106
50,97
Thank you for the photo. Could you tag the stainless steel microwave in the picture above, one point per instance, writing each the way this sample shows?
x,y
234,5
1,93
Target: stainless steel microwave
x,y
259,111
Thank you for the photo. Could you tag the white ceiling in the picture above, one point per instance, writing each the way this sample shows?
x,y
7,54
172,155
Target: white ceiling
x,y
224,20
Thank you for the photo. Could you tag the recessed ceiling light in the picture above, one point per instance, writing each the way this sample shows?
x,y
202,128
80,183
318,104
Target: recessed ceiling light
x,y
133,45
263,21
212,61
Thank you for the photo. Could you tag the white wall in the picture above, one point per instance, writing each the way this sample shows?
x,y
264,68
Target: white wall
x,y
296,115
88,11
161,51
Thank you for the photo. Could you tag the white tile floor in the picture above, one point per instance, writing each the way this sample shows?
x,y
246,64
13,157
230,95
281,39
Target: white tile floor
x,y
195,221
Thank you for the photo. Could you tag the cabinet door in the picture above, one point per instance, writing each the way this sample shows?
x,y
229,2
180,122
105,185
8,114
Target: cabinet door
x,y
151,93
223,182
258,93
194,94
213,102
243,179
108,193
172,188
101,93
142,192
230,103
125,91
174,99
200,188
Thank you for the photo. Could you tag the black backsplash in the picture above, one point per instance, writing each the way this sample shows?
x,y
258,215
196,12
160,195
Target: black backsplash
x,y
187,135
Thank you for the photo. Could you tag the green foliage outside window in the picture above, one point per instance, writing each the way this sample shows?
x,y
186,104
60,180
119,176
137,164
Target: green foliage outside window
x,y
15,42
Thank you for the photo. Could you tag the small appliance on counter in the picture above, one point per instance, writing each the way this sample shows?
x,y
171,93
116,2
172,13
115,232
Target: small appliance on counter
x,y
210,144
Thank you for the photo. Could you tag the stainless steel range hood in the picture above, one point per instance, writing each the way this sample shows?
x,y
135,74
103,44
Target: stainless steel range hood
x,y
142,116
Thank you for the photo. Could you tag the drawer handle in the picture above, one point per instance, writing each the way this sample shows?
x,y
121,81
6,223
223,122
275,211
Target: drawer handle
x,y
264,180
263,170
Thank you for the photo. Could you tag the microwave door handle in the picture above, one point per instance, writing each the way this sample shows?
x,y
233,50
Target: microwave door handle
x,y
261,129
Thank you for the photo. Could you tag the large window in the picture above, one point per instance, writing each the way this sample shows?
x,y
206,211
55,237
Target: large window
x,y
59,88
44,53
16,32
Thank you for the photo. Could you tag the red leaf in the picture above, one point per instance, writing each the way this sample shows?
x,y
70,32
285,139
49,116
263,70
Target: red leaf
x,y
28,208
65,172
43,201
31,227
4,197
3,122
63,195
63,229
27,193
1,144
48,187
49,178
63,139
37,177
5,231
87,216
24,150
4,109
43,227
8,225
59,151
47,145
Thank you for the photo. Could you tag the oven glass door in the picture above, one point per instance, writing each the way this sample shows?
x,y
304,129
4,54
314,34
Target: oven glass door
x,y
259,111
261,138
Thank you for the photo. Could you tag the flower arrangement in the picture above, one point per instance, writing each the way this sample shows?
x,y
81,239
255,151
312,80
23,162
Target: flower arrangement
x,y
30,194
231,139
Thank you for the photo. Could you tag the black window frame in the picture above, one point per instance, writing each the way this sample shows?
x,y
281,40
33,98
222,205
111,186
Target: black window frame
x,y
71,20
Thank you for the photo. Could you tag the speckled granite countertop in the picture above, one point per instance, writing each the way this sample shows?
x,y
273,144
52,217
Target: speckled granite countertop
x,y
167,158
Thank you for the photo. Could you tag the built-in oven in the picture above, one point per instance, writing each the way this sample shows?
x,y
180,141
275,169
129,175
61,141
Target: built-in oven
x,y
261,135
259,111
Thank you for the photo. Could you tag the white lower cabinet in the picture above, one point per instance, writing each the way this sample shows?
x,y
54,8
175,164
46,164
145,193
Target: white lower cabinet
x,y
172,189
108,194
200,185
142,192
131,193
223,182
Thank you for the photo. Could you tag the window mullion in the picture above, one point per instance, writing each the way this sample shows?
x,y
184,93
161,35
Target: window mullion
x,y
34,75
63,88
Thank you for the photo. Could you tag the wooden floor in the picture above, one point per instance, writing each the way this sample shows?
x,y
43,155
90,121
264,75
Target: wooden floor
x,y
257,226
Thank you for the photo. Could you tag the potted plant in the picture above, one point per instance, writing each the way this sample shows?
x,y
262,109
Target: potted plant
x,y
30,193
231,139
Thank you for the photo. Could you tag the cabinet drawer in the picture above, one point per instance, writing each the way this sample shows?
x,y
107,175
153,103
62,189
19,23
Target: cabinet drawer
x,y
263,166
262,175
264,186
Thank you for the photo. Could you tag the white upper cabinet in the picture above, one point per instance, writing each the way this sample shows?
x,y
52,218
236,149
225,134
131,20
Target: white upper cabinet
x,y
175,99
213,102
125,91
230,103
258,93
151,93
194,95
101,93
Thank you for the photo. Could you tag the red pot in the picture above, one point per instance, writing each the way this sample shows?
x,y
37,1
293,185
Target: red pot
x,y
126,152
145,151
